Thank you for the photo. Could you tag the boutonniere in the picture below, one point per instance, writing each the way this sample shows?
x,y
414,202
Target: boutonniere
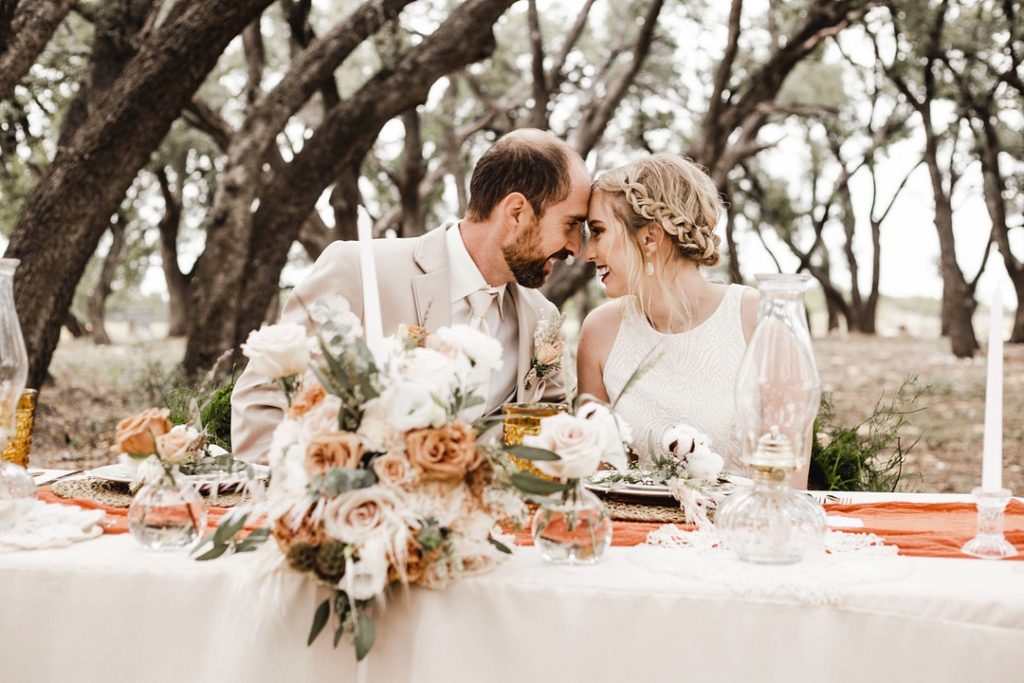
x,y
547,351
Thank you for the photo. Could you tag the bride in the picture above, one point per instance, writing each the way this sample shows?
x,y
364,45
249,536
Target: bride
x,y
651,228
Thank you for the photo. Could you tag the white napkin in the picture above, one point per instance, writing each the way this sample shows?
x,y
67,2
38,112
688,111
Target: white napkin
x,y
844,522
44,525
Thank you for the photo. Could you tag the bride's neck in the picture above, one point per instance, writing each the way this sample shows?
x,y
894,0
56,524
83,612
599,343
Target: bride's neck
x,y
663,306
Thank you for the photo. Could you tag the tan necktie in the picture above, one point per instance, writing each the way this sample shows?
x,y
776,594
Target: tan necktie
x,y
480,302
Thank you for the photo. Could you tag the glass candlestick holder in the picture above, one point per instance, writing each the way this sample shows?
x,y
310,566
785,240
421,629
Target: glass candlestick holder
x,y
990,543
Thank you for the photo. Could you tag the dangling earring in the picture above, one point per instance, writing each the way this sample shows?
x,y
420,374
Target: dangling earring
x,y
650,269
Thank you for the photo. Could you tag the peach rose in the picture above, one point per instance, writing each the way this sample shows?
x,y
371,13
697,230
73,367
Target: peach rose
x,y
361,514
416,562
392,469
443,454
549,354
307,532
180,444
136,435
332,449
309,397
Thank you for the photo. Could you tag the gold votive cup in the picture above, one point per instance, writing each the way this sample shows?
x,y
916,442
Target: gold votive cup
x,y
18,448
523,419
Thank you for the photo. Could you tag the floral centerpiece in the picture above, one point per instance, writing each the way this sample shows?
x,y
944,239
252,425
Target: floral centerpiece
x,y
571,525
377,481
688,468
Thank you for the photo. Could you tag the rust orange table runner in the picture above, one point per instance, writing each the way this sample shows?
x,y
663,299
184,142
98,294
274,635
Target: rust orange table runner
x,y
116,520
919,529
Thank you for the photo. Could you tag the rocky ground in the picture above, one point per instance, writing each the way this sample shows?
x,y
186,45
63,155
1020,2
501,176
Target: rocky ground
x,y
93,387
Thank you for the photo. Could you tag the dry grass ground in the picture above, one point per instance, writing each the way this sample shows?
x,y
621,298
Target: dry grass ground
x,y
94,387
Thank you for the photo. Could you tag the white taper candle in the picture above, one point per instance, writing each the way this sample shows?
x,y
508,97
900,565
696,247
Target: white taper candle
x,y
371,296
992,452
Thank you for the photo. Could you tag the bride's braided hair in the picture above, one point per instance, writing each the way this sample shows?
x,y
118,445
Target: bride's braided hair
x,y
674,193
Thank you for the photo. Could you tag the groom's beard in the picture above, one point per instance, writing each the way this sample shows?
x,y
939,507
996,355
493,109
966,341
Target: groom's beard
x,y
529,270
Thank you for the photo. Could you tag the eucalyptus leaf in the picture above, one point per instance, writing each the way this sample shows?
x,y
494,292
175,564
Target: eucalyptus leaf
x,y
323,613
531,483
531,453
364,634
213,553
499,545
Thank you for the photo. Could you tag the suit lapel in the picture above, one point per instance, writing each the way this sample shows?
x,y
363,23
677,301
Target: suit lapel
x,y
527,318
432,289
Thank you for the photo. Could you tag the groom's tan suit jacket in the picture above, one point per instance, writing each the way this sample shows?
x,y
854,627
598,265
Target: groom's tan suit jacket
x,y
414,283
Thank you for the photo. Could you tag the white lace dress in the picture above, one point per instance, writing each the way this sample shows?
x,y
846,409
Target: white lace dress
x,y
692,381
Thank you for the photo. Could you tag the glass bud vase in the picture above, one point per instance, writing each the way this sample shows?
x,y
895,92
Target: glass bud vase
x,y
572,528
15,483
167,514
778,392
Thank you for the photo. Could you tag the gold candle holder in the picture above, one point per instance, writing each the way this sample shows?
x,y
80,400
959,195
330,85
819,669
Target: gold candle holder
x,y
18,448
523,419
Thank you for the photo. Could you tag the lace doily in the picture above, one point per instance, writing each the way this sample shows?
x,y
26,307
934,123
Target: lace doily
x,y
819,580
44,525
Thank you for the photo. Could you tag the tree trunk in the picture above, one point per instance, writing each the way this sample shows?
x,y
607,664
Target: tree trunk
x,y
958,302
75,326
413,169
221,271
98,299
735,273
177,281
870,314
59,225
347,133
30,27
995,192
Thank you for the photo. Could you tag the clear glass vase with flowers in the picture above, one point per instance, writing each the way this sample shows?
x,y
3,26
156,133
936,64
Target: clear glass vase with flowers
x,y
167,511
571,524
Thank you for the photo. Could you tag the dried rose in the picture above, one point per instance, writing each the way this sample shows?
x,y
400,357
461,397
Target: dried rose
x,y
392,469
332,449
309,397
549,354
360,514
180,444
136,435
443,454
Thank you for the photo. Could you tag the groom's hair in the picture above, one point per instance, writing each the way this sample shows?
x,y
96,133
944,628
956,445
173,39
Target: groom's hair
x,y
532,162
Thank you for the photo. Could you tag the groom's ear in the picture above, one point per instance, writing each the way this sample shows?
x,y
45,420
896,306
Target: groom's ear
x,y
515,209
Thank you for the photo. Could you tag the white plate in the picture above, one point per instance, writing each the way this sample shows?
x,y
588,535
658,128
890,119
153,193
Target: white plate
x,y
120,474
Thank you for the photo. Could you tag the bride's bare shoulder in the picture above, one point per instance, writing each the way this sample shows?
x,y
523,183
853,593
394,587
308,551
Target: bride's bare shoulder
x,y
602,325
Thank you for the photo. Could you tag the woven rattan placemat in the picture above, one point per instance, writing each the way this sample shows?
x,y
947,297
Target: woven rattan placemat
x,y
635,512
114,494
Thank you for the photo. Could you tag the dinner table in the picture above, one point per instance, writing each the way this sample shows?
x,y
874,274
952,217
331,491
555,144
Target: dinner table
x,y
906,607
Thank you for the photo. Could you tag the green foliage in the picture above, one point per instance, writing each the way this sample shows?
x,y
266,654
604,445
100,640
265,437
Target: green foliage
x,y
868,456
214,404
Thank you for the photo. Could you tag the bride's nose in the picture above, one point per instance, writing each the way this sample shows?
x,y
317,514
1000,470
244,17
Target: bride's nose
x,y
589,251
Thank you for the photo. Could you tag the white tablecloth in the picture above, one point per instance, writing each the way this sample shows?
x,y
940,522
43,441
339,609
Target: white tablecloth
x,y
108,611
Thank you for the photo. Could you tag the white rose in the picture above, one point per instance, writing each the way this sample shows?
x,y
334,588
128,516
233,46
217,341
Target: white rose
x,y
578,442
483,351
368,576
435,369
180,444
362,514
412,405
704,464
615,430
376,430
277,351
323,417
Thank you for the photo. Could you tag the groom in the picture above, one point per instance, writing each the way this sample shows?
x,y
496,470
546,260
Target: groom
x,y
528,200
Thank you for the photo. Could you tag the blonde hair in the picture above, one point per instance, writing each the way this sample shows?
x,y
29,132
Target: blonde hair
x,y
675,194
